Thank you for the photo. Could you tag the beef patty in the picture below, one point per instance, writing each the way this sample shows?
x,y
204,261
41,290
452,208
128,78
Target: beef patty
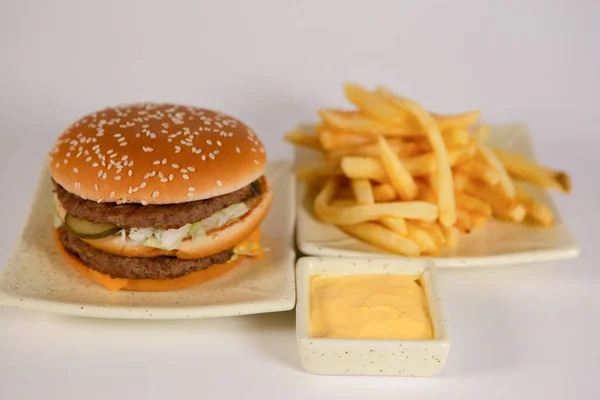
x,y
164,216
133,267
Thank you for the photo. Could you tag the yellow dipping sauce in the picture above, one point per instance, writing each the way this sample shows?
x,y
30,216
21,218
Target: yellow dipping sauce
x,y
369,307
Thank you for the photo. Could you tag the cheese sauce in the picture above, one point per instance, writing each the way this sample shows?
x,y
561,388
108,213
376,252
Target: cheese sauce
x,y
369,307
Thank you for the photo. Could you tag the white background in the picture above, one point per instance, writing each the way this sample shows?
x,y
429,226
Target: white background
x,y
518,332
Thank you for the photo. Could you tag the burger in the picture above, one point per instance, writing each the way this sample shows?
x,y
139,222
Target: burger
x,y
156,197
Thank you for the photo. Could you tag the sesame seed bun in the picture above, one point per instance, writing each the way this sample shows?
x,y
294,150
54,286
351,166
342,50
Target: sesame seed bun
x,y
156,154
224,238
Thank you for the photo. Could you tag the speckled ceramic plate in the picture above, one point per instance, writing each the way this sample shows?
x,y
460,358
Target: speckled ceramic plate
x,y
496,243
38,278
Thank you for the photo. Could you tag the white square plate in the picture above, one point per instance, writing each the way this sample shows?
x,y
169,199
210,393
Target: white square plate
x,y
370,356
38,278
495,243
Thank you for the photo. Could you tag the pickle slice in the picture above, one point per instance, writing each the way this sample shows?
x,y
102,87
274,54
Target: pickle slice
x,y
89,230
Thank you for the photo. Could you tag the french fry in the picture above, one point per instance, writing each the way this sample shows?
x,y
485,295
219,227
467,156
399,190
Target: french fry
x,y
460,180
401,180
434,230
503,207
522,168
472,204
395,224
354,121
372,212
447,208
463,120
463,221
331,140
421,165
536,211
505,183
477,219
362,190
374,105
343,202
383,193
423,238
455,137
426,193
304,139
384,238
316,172
364,168
480,171
400,147
451,234
462,155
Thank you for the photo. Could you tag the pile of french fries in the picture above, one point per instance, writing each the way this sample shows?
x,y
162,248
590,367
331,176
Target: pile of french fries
x,y
410,181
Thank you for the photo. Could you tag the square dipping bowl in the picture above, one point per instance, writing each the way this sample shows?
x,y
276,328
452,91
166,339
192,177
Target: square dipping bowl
x,y
370,356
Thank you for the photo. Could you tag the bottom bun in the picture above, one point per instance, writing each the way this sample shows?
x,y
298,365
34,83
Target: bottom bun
x,y
146,285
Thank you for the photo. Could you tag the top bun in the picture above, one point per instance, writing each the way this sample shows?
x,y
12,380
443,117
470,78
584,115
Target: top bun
x,y
156,154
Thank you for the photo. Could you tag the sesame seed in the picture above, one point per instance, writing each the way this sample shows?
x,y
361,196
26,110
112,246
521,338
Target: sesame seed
x,y
253,150
153,173
130,173
164,161
56,165
100,173
255,161
216,152
211,155
155,193
183,170
147,149
88,159
120,139
143,185
95,164
175,166
104,175
77,185
191,169
123,144
161,175
96,187
130,190
237,150
262,150
112,195
190,195
75,170
203,157
219,143
65,161
164,180
219,183
191,189
147,175
117,178
144,203
109,151
209,142
157,162
171,177
185,176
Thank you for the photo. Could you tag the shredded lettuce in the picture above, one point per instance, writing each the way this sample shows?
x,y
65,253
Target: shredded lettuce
x,y
218,219
170,239
57,220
